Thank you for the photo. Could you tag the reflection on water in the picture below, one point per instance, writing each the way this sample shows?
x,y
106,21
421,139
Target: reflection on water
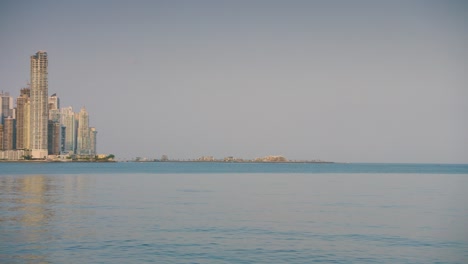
x,y
29,206
233,218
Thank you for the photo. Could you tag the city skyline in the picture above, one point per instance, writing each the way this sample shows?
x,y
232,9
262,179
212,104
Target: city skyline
x,y
339,81
38,128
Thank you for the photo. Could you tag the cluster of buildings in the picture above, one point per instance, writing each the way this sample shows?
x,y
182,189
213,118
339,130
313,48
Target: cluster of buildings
x,y
38,128
271,158
233,159
226,159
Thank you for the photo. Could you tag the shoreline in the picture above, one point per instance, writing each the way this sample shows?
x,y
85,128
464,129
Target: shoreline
x,y
196,161
171,161
57,161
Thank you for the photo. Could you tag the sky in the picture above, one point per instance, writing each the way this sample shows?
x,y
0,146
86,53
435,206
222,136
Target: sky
x,y
345,81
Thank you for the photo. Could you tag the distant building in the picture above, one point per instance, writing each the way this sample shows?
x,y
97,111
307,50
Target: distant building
x,y
271,159
101,156
54,144
62,139
39,105
14,154
54,102
54,115
6,106
232,159
54,108
9,137
67,117
54,140
22,119
27,125
92,138
83,136
206,158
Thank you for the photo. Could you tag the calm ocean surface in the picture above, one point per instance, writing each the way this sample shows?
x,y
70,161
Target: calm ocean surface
x,y
233,213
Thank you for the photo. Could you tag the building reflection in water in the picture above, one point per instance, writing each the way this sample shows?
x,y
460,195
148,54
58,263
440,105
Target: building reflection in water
x,y
33,209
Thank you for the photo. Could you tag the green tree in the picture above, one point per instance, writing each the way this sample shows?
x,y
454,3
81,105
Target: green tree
x,y
27,157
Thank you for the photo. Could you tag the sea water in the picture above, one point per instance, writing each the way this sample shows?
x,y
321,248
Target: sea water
x,y
233,213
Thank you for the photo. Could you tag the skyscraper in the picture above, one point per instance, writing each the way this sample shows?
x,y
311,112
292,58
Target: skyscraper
x,y
39,104
54,108
92,140
6,106
55,127
83,140
22,118
54,141
9,133
67,117
54,102
27,126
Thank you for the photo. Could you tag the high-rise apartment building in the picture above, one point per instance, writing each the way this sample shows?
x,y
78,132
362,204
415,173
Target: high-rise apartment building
x,y
62,139
67,117
83,140
6,106
27,125
22,118
39,105
54,127
92,140
9,133
54,108
54,102
54,141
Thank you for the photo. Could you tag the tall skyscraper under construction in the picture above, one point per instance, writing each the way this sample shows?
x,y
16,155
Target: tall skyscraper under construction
x,y
39,105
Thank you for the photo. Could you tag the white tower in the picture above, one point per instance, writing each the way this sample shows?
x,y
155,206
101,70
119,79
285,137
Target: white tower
x,y
39,105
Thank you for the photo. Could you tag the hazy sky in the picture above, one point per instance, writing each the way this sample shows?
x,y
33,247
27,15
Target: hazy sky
x,y
351,81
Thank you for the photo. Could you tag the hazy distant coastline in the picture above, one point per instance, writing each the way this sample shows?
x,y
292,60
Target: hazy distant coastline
x,y
162,161
220,161
168,161
230,159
